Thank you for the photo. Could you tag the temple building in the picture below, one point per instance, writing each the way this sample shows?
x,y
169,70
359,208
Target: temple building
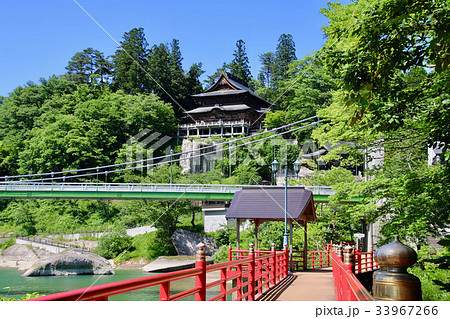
x,y
229,108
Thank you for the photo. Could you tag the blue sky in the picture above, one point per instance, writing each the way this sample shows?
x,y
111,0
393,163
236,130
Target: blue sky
x,y
38,38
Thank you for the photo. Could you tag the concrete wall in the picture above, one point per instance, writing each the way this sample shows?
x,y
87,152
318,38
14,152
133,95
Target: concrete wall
x,y
50,248
140,230
214,218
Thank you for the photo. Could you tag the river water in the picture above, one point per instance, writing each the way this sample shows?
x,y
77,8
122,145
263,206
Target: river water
x,y
47,285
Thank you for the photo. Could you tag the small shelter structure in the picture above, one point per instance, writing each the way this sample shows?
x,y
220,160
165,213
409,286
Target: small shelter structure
x,y
266,203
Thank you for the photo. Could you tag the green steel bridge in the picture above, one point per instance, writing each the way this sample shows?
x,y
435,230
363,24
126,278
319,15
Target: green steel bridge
x,y
121,191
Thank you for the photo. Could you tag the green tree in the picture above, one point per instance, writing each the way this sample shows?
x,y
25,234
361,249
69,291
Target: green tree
x,y
193,84
84,65
266,72
239,67
391,58
131,62
113,244
284,55
386,41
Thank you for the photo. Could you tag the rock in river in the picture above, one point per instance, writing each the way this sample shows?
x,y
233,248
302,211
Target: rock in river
x,y
70,264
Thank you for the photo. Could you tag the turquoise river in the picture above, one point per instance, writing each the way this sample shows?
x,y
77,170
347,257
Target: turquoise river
x,y
15,286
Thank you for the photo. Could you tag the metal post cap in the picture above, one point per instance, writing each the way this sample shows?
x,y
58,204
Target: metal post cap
x,y
201,255
395,254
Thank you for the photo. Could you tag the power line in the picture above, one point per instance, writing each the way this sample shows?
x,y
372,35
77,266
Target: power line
x,y
106,173
98,168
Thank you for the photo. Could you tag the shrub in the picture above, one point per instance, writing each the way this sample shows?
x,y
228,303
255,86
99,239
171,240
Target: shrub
x,y
7,244
113,244
221,255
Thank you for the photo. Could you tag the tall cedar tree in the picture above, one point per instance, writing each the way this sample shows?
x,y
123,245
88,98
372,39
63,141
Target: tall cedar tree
x,y
130,63
266,72
284,55
239,67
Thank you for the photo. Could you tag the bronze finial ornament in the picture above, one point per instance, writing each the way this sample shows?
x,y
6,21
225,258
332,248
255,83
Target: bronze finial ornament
x,y
201,255
392,281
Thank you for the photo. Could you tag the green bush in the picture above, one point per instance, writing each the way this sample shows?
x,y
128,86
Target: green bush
x,y
428,276
161,245
7,244
24,297
113,244
221,255
150,246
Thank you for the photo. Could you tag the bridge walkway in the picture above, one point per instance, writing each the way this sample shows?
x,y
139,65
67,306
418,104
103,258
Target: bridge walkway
x,y
310,285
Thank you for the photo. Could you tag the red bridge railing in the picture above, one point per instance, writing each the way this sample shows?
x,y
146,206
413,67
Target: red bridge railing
x,y
347,287
250,275
364,262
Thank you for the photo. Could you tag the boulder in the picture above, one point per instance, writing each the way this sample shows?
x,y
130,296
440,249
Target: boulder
x,y
186,242
70,264
21,256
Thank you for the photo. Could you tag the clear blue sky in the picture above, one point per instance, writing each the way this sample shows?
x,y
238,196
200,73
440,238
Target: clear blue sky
x,y
38,38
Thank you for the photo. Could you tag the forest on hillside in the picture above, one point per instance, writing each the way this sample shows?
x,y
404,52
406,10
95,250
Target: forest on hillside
x,y
380,82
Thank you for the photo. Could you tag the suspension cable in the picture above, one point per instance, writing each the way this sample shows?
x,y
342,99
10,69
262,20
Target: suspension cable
x,y
98,168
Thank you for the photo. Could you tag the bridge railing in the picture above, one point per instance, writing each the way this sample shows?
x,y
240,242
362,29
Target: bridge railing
x,y
315,258
250,278
364,262
347,287
134,187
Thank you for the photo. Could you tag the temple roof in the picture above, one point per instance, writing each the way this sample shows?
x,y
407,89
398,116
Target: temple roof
x,y
228,85
225,108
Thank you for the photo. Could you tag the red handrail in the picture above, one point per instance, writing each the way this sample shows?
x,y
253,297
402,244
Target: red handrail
x,y
364,261
346,286
253,275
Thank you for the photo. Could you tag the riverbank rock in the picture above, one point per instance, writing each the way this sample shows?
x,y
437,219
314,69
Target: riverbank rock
x,y
70,264
172,263
21,256
186,242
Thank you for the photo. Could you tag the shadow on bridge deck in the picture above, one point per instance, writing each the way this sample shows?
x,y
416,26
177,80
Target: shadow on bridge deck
x,y
311,285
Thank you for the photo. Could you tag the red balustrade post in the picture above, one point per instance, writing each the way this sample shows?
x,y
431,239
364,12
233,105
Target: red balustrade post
x,y
239,282
223,285
164,291
200,279
349,267
259,275
329,251
273,267
339,251
348,260
251,268
320,258
358,262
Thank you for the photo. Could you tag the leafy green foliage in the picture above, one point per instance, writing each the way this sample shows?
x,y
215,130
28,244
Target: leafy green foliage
x,y
113,244
7,243
24,297
393,79
150,246
86,66
432,270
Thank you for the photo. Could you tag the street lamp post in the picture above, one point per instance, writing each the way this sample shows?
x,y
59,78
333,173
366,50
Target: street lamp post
x,y
275,167
171,173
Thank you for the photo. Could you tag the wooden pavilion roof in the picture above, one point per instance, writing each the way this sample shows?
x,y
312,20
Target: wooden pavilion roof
x,y
266,203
